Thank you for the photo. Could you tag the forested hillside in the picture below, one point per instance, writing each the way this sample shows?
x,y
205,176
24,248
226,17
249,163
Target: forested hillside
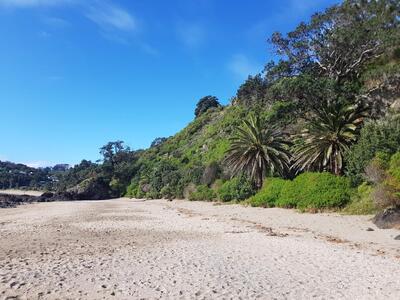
x,y
322,117
19,175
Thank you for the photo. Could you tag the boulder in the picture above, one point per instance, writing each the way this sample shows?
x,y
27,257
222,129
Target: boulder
x,y
388,218
90,189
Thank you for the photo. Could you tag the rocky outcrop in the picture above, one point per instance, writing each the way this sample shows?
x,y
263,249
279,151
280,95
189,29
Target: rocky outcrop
x,y
90,189
388,218
14,200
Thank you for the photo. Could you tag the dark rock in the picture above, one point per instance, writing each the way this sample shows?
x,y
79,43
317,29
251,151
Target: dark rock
x,y
90,189
7,201
388,218
47,195
369,229
397,238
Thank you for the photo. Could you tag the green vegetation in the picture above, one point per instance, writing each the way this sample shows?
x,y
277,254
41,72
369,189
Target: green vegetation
x,y
238,188
323,114
21,176
258,151
308,191
331,131
377,136
361,202
202,193
270,193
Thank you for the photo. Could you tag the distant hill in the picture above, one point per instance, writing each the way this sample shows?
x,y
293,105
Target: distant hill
x,y
13,175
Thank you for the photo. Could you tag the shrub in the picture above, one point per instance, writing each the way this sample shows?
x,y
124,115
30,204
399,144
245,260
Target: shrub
x,y
319,190
375,171
384,196
167,192
238,188
117,188
308,191
132,190
376,136
394,167
270,193
202,193
361,201
390,189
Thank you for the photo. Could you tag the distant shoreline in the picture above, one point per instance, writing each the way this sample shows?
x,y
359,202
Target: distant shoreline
x,y
21,192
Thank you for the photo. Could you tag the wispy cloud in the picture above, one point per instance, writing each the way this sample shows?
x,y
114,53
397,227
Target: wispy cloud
x,y
109,16
191,35
115,23
56,22
241,66
33,3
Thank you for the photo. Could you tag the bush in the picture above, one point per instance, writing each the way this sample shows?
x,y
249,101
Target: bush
x,y
361,201
117,188
387,194
320,190
394,167
377,136
132,190
308,191
202,193
167,192
270,193
375,171
238,188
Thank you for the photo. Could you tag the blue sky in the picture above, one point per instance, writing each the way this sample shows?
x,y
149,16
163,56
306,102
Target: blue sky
x,y
76,74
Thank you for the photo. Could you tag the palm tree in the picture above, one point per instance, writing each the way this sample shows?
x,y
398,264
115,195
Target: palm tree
x,y
257,151
330,133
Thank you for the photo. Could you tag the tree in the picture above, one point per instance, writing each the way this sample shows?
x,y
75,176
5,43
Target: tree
x,y
334,127
205,104
340,42
252,91
257,151
333,53
158,141
111,149
376,136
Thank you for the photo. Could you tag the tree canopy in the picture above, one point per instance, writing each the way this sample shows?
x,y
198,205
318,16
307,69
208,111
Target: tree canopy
x,y
205,104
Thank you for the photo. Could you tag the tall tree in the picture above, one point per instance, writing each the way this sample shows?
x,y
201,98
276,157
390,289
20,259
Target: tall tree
x,y
330,132
205,104
340,42
257,151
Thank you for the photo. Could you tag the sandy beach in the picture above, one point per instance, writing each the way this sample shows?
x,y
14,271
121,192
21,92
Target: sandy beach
x,y
131,249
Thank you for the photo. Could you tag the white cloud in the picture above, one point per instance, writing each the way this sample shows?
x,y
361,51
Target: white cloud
x,y
241,66
109,16
116,23
32,3
191,35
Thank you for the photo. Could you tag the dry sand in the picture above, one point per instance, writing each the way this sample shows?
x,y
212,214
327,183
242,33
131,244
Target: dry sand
x,y
129,249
